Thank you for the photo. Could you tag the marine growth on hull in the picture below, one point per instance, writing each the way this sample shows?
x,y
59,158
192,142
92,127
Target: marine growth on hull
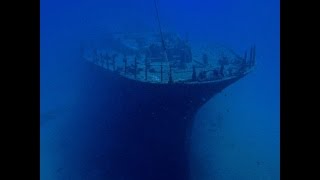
x,y
149,57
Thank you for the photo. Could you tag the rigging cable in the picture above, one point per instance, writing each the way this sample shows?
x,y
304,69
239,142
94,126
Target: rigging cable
x,y
162,40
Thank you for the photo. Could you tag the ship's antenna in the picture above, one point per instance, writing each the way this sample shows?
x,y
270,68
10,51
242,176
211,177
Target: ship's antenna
x,y
162,40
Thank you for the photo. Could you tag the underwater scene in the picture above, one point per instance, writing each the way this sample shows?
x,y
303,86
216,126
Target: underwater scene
x,y
159,90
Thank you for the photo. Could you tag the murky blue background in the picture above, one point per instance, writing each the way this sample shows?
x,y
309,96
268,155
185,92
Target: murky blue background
x,y
235,135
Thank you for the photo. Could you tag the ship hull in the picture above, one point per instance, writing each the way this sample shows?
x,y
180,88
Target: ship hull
x,y
149,123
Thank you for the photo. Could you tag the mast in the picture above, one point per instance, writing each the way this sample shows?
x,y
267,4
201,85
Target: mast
x,y
161,34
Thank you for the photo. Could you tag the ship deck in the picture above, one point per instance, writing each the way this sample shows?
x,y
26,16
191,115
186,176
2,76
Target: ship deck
x,y
158,72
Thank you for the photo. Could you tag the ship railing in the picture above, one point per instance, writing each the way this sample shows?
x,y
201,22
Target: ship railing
x,y
163,72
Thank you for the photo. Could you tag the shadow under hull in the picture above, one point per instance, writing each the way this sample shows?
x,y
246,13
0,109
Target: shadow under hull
x,y
150,123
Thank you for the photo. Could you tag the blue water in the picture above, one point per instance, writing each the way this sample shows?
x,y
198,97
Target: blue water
x,y
246,115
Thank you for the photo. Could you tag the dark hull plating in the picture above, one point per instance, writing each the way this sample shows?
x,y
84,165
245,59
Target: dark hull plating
x,y
150,123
